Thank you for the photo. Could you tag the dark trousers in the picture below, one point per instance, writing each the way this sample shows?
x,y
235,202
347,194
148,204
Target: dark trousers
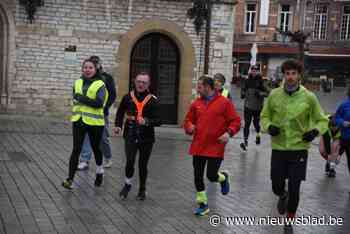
x,y
345,145
213,165
289,165
145,150
95,136
250,115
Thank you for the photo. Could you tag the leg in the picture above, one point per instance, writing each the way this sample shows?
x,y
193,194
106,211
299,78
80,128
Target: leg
x,y
105,144
79,132
130,153
297,165
247,121
95,135
145,153
213,169
347,152
256,121
201,196
278,178
198,169
293,196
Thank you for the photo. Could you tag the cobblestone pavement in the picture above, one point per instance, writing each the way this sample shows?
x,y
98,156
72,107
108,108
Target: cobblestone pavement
x,y
34,154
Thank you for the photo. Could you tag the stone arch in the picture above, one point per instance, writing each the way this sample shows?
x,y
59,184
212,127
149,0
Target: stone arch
x,y
187,57
7,52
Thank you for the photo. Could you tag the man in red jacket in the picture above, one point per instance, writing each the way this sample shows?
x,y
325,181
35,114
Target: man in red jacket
x,y
211,120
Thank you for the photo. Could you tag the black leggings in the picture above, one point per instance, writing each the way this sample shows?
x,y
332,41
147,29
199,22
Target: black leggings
x,y
345,144
213,166
145,150
250,115
95,135
278,188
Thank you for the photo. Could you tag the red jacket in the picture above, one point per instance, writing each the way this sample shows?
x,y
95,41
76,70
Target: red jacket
x,y
211,120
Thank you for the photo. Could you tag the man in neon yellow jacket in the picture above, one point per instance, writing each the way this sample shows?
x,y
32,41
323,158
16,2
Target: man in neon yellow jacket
x,y
293,117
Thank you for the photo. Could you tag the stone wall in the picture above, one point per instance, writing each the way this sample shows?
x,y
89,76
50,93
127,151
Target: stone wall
x,y
44,73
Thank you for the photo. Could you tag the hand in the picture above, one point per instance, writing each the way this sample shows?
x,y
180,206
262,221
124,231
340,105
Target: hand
x,y
141,121
190,130
130,117
242,96
310,135
224,138
346,124
273,130
116,131
77,96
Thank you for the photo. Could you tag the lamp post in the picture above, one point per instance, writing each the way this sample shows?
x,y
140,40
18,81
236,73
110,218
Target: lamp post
x,y
31,7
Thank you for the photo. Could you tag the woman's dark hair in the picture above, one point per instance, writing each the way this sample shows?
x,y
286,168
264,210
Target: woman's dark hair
x,y
90,61
207,80
292,65
220,77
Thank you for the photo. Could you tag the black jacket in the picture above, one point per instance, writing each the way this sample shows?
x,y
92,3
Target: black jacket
x,y
134,132
112,94
254,92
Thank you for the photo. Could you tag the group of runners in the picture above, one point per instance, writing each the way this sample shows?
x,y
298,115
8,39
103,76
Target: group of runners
x,y
290,114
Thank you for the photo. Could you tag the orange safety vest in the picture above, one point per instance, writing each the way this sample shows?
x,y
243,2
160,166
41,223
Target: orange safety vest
x,y
140,105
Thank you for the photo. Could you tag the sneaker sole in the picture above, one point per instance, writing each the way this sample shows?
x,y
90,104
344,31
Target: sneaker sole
x,y
202,214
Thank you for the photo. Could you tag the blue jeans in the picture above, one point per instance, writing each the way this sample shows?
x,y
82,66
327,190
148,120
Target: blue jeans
x,y
105,146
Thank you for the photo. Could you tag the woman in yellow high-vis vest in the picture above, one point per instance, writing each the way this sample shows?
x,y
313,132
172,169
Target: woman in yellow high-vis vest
x,y
89,98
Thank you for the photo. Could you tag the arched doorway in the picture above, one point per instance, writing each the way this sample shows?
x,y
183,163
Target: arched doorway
x,y
158,55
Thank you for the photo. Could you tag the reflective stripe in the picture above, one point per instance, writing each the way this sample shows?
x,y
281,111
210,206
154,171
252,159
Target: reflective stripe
x,y
88,115
224,93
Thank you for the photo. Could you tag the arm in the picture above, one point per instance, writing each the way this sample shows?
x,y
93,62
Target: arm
x,y
233,119
339,119
265,116
119,117
243,88
190,121
97,103
155,119
112,93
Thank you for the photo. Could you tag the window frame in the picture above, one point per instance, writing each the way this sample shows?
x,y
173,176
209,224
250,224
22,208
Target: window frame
x,y
290,12
347,34
317,36
255,17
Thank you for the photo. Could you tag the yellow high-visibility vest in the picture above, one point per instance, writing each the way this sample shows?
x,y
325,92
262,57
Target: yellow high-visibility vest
x,y
225,93
90,115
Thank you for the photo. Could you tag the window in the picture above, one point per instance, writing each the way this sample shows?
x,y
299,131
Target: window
x,y
345,25
284,23
320,24
250,17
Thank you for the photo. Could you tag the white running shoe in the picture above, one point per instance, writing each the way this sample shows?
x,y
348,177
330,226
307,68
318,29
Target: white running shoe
x,y
83,166
108,163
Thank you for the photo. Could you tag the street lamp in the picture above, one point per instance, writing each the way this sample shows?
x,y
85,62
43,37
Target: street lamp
x,y
31,7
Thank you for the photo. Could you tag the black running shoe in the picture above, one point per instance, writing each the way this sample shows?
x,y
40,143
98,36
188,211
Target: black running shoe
x,y
243,146
327,167
141,195
331,173
288,229
257,140
125,191
98,180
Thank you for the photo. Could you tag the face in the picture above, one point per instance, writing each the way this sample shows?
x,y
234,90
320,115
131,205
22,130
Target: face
x,y
202,89
291,77
89,69
218,85
253,71
142,83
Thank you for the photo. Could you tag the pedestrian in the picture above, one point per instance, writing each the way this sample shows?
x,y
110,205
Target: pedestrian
x,y
329,147
342,119
89,98
209,141
220,80
253,92
142,115
105,144
293,117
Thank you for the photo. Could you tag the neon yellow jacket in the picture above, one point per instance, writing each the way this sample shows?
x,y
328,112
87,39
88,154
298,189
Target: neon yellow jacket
x,y
295,115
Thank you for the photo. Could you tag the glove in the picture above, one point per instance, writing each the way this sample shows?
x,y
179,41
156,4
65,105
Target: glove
x,y
310,135
273,130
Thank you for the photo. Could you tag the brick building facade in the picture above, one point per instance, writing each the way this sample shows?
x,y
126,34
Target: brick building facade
x,y
327,49
40,61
